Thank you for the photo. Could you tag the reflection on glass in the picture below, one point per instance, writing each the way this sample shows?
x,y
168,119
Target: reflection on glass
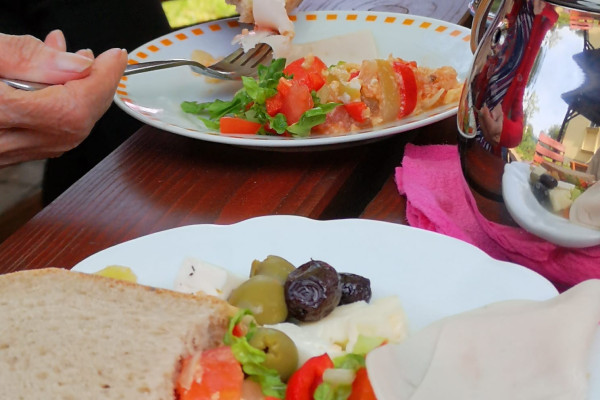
x,y
499,108
533,98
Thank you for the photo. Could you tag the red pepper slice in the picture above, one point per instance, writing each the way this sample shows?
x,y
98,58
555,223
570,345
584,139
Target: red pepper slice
x,y
238,125
303,383
408,88
237,331
361,387
355,109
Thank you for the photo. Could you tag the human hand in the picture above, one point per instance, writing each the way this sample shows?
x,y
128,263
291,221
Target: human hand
x,y
48,122
491,123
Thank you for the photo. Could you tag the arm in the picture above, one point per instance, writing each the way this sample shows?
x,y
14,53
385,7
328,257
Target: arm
x,y
48,122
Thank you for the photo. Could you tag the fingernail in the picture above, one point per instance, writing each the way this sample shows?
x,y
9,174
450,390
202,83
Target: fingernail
x,y
86,53
71,62
59,37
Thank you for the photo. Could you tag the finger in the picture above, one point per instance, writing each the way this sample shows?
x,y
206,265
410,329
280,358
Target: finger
x,y
56,40
86,53
70,109
28,58
97,90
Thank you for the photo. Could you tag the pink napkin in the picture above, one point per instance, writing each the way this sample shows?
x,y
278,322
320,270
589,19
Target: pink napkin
x,y
439,200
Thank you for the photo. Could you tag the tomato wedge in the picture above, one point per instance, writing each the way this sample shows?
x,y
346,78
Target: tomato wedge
x,y
238,125
296,99
408,88
215,375
309,72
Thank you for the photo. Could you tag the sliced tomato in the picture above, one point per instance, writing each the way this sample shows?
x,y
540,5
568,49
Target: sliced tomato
x,y
215,375
307,71
361,387
238,125
408,88
274,104
296,101
356,110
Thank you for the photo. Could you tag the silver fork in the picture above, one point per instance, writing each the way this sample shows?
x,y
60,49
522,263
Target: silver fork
x,y
234,66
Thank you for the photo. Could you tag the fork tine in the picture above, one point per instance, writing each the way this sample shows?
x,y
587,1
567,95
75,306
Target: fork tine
x,y
233,57
250,55
261,53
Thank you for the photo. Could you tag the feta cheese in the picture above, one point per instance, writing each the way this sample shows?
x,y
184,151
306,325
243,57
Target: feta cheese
x,y
200,276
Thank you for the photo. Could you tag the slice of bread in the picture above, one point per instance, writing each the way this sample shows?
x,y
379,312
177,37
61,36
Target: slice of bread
x,y
70,335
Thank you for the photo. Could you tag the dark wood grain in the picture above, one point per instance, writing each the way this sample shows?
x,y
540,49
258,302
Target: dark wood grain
x,y
157,180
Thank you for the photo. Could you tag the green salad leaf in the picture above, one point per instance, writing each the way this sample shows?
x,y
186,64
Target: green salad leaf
x,y
252,358
249,103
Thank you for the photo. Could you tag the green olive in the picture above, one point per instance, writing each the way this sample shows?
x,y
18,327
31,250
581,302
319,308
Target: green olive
x,y
282,354
274,266
263,296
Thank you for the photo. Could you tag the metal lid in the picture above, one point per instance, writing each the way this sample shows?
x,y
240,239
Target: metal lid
x,y
592,6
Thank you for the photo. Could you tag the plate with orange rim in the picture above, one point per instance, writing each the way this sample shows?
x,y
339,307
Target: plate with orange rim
x,y
155,97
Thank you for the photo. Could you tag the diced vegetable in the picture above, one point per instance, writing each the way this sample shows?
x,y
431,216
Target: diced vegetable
x,y
390,101
308,71
296,101
251,358
361,387
238,125
215,374
305,380
356,110
408,88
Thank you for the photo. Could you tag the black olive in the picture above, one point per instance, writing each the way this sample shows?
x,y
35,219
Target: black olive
x,y
312,291
354,288
548,180
540,192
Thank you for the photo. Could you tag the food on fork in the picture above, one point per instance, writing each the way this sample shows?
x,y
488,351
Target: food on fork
x,y
272,24
67,334
265,9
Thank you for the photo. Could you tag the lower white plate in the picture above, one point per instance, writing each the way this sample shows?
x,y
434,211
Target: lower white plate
x,y
433,275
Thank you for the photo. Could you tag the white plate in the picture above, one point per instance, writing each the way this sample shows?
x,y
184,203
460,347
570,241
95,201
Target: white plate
x,y
155,97
433,275
533,217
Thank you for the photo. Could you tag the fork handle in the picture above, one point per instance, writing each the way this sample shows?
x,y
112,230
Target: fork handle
x,y
156,65
24,85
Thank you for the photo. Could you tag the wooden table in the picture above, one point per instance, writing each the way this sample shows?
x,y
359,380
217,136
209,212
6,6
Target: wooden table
x,y
158,180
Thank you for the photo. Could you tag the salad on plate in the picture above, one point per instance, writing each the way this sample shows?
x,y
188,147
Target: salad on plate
x,y
307,97
368,355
